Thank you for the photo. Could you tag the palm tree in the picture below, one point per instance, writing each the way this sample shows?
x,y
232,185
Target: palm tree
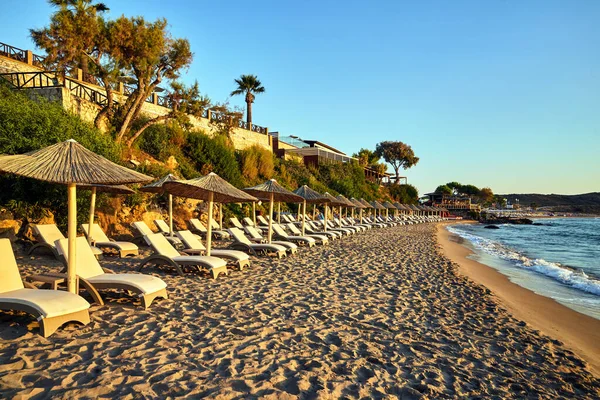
x,y
248,84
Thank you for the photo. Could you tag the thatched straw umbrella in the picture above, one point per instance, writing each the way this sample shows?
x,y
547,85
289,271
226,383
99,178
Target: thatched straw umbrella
x,y
345,203
71,164
359,205
378,206
157,187
366,204
387,206
110,189
310,196
209,187
333,202
399,207
272,191
414,208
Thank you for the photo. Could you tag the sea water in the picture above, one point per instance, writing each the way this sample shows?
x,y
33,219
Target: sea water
x,y
559,259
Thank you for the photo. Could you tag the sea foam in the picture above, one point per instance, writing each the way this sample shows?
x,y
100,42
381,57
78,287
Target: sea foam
x,y
568,276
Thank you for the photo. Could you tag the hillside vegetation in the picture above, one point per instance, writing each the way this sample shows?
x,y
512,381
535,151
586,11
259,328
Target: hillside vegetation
x,y
27,124
583,203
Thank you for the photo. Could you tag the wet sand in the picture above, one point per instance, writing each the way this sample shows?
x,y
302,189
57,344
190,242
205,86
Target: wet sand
x,y
579,332
381,314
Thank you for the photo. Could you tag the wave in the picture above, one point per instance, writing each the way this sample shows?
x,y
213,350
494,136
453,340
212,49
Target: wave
x,y
567,275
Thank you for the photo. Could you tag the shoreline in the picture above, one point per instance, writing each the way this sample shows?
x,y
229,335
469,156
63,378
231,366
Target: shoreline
x,y
578,332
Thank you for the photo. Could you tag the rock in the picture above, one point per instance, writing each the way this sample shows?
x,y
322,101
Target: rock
x,y
9,228
491,227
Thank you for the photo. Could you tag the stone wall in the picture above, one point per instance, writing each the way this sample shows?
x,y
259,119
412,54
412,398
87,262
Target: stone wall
x,y
241,138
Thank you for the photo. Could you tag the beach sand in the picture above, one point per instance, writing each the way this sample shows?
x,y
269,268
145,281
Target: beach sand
x,y
381,314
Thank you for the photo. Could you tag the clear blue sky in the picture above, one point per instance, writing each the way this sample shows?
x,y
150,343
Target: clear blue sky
x,y
494,93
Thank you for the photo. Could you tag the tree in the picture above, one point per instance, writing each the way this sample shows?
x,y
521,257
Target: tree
x,y
398,154
130,49
249,85
486,195
366,157
443,189
405,194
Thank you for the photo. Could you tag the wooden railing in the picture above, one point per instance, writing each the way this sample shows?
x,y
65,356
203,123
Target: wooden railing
x,y
46,79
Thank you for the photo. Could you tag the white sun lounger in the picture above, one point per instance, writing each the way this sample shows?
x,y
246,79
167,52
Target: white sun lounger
x,y
195,247
301,240
255,236
48,234
323,239
91,273
197,226
52,308
101,240
241,242
144,230
167,254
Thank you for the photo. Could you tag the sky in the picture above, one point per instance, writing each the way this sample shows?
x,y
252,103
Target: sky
x,y
499,93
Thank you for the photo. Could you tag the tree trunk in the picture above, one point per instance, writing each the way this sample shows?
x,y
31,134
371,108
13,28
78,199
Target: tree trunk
x,y
249,114
129,114
146,125
109,103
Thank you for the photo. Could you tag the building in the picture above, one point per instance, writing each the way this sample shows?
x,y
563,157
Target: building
x,y
314,153
451,202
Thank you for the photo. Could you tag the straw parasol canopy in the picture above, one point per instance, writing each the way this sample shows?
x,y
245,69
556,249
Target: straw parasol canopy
x,y
345,200
209,187
377,205
366,203
69,163
273,191
110,189
310,196
387,204
357,203
157,187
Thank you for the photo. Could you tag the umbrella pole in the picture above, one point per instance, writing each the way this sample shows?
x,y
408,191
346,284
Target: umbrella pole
x,y
221,216
325,219
314,211
92,209
352,212
72,233
360,216
254,212
209,225
171,214
271,218
303,216
299,205
340,216
279,212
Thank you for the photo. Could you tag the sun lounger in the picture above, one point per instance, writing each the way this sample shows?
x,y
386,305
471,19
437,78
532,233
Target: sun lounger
x,y
48,234
241,242
236,223
195,247
262,220
313,228
300,240
197,226
144,230
52,308
100,240
95,278
322,239
255,236
166,254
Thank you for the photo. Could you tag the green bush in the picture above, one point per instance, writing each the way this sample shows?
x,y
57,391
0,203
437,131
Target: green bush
x,y
405,194
26,125
212,155
256,162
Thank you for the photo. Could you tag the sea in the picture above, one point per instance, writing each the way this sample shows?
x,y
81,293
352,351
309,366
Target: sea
x,y
557,258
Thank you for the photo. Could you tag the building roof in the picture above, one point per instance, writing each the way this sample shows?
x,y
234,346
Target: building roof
x,y
316,143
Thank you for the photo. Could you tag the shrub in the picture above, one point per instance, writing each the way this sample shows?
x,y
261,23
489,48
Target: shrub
x,y
212,155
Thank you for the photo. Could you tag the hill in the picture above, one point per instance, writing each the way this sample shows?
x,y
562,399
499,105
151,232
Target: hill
x,y
578,203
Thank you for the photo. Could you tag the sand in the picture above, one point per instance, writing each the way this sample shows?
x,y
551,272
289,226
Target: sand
x,y
382,314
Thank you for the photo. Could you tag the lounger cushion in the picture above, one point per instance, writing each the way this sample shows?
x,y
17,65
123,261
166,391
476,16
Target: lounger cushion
x,y
268,246
120,245
49,303
289,245
239,255
304,238
214,262
144,283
